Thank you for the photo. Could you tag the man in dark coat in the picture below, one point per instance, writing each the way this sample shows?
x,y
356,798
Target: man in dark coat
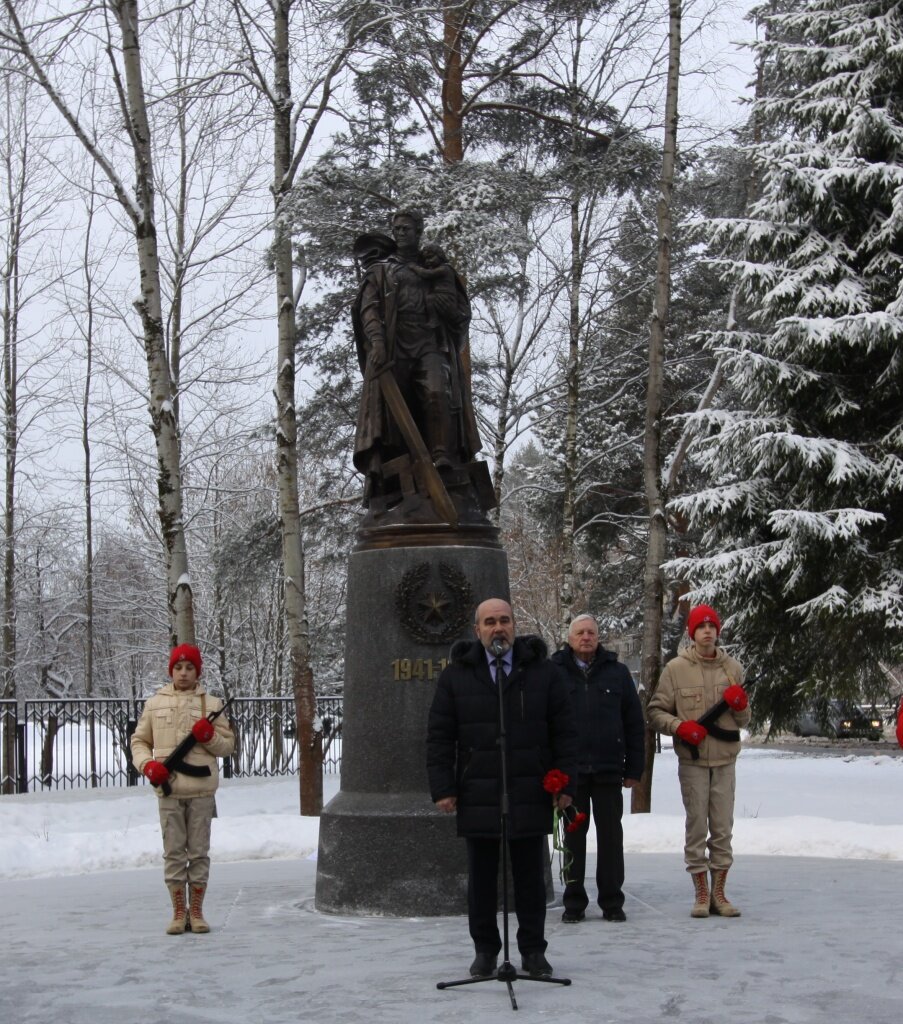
x,y
465,773
611,755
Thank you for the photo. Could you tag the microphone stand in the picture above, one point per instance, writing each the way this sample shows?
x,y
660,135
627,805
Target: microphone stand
x,y
507,973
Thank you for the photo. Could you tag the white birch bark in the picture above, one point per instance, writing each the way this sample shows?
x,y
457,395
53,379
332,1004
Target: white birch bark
x,y
291,145
139,206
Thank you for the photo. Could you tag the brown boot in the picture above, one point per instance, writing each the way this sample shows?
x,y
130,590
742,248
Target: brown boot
x,y
721,905
701,905
179,910
196,908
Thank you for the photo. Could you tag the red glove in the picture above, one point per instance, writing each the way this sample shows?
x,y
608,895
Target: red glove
x,y
736,697
900,725
692,732
202,730
157,773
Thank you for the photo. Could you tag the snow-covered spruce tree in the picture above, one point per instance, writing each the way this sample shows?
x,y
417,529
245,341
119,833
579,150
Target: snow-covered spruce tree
x,y
803,522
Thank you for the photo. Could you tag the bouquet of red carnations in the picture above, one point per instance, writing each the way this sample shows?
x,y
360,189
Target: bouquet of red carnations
x,y
567,820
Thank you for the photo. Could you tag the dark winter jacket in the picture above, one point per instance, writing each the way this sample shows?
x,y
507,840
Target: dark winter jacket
x,y
609,715
462,733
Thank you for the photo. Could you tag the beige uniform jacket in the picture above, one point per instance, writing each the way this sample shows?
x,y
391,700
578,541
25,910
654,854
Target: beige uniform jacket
x,y
688,687
166,720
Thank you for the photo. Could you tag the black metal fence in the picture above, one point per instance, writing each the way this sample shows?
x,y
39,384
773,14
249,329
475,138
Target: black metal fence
x,y
81,743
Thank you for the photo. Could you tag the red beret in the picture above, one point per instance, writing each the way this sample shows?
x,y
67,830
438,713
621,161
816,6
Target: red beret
x,y
185,652
702,613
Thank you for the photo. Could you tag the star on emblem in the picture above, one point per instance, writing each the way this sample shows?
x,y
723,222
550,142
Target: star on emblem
x,y
433,606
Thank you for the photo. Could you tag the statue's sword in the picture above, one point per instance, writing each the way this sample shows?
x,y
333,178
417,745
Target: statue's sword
x,y
423,463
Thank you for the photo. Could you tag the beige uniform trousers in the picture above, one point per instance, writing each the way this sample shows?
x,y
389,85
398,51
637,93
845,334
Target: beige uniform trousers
x,y
708,795
185,824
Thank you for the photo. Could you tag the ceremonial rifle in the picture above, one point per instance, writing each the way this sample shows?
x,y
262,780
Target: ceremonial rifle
x,y
176,760
708,719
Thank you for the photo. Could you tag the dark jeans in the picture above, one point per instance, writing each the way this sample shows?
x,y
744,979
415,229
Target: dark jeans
x,y
527,874
604,794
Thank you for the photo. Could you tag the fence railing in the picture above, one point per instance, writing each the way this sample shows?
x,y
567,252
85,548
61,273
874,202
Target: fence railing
x,y
82,743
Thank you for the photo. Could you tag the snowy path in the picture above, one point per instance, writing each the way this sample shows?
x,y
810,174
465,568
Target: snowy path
x,y
819,943
819,875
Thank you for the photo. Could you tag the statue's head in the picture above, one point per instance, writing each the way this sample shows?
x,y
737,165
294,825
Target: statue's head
x,y
432,254
407,227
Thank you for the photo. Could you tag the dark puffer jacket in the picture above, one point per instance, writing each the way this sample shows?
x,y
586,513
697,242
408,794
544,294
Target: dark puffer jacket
x,y
609,715
462,733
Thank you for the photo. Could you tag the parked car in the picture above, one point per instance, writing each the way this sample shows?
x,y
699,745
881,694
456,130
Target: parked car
x,y
839,719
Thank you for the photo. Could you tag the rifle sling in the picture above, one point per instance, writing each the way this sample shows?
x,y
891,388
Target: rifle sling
x,y
725,735
196,771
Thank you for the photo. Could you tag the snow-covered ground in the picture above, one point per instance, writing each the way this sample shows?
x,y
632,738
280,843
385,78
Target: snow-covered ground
x,y
819,872
787,805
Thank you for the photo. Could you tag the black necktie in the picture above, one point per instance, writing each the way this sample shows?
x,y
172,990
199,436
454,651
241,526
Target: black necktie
x,y
500,674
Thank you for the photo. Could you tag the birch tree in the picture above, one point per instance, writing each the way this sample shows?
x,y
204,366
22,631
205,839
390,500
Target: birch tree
x,y
40,44
272,48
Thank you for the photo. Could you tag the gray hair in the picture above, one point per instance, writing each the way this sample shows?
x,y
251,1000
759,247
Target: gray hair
x,y
580,618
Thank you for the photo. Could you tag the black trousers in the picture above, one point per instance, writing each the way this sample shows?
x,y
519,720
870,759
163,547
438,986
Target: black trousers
x,y
526,857
601,794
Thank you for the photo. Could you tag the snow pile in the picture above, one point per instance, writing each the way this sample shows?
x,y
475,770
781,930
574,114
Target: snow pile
x,y
787,805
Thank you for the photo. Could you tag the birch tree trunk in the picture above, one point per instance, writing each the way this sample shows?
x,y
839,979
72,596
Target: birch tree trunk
x,y
162,408
641,796
139,206
290,146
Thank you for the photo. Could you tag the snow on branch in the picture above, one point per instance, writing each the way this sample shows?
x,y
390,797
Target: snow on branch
x,y
833,526
835,599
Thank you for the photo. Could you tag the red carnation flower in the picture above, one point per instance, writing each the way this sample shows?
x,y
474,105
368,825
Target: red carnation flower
x,y
579,819
555,781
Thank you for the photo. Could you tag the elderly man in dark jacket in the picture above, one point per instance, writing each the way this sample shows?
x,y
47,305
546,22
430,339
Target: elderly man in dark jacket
x,y
465,773
611,755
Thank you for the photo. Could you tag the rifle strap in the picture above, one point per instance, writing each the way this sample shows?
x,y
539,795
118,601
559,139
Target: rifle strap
x,y
726,735
197,771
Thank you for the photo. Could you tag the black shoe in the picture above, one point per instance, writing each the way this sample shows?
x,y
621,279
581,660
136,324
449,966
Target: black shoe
x,y
614,915
536,965
572,916
483,966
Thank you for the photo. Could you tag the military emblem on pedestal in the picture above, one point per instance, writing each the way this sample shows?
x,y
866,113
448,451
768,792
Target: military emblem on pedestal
x,y
434,610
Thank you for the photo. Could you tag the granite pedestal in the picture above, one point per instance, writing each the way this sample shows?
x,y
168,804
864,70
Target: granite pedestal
x,y
384,847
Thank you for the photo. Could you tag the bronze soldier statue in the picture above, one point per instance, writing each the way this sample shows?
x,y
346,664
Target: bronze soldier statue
x,y
410,317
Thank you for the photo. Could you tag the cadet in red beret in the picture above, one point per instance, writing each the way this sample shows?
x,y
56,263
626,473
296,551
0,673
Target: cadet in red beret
x,y
696,680
186,794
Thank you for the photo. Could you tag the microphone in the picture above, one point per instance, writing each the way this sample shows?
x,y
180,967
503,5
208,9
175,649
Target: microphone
x,y
498,647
